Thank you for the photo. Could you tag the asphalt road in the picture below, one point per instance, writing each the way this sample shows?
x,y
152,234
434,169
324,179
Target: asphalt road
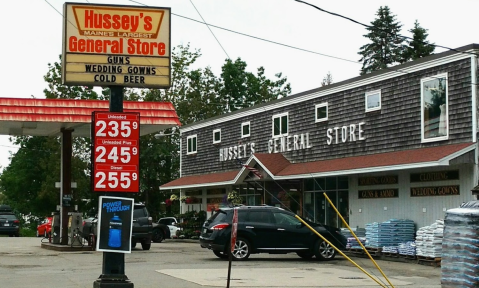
x,y
176,263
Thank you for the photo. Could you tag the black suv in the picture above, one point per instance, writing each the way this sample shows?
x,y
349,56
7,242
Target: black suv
x,y
9,223
268,229
144,230
142,227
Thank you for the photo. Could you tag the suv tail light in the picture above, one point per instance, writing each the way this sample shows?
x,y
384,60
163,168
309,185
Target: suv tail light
x,y
16,221
220,226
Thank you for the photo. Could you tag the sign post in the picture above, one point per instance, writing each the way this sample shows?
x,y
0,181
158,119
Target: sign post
x,y
234,233
116,46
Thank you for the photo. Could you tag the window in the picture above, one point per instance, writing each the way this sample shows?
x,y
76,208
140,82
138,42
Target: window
x,y
434,110
191,144
245,129
216,136
373,101
280,125
321,112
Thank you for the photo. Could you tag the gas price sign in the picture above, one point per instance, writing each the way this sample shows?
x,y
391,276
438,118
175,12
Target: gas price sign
x,y
115,153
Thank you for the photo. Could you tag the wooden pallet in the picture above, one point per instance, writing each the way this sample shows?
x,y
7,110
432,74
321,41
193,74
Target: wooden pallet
x,y
356,250
394,255
373,251
410,257
432,261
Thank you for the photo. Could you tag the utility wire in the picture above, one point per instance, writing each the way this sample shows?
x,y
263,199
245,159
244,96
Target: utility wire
x,y
372,27
257,38
210,30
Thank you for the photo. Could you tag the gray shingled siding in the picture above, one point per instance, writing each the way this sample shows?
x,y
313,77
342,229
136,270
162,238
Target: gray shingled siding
x,y
396,126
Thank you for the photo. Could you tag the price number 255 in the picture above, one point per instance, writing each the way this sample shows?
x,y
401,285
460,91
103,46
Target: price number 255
x,y
113,181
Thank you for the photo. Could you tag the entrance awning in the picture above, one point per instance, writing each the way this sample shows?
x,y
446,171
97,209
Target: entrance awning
x,y
277,167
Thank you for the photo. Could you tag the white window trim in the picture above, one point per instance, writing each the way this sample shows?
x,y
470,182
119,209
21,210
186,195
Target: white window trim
x,y
316,112
214,132
245,124
441,138
187,146
272,124
366,100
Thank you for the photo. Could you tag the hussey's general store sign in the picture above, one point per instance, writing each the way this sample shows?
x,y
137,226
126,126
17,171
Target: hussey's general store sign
x,y
106,45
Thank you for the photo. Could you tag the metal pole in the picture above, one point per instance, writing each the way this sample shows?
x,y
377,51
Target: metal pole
x,y
113,268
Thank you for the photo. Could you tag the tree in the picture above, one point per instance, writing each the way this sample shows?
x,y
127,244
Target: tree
x,y
327,80
418,47
386,43
28,183
243,89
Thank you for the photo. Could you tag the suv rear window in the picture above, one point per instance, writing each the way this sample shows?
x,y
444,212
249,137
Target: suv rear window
x,y
219,216
140,212
166,221
8,216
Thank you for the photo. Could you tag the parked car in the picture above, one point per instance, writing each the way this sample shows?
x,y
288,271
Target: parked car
x,y
268,229
45,227
172,224
9,223
144,230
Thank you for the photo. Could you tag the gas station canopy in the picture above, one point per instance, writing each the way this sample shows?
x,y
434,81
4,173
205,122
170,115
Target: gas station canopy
x,y
47,117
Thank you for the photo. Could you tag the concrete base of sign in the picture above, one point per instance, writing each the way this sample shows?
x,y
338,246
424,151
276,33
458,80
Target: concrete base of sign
x,y
103,283
65,248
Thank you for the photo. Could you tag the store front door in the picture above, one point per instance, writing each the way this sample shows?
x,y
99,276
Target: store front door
x,y
336,188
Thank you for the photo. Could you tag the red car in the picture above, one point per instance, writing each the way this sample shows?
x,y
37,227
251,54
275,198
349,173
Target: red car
x,y
45,227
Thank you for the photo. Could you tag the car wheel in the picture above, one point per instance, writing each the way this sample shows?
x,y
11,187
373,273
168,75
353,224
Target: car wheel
x,y
220,254
145,245
324,251
242,249
158,236
305,255
133,243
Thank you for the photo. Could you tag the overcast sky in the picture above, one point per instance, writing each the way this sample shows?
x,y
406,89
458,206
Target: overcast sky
x,y
32,37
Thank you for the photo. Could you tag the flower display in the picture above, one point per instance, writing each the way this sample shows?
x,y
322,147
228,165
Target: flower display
x,y
234,198
183,199
174,197
168,202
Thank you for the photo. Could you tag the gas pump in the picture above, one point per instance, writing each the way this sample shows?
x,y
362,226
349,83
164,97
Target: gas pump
x,y
55,233
75,225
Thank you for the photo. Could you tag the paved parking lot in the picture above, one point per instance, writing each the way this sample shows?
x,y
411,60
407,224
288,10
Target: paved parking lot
x,y
23,263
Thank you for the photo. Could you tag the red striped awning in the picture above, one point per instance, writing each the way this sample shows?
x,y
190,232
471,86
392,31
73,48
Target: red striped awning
x,y
46,117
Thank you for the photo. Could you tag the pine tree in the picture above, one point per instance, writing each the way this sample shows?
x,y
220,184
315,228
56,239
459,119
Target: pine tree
x,y
327,80
386,43
417,47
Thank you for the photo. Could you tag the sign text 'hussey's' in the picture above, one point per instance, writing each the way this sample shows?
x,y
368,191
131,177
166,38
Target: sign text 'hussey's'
x,y
116,45
133,24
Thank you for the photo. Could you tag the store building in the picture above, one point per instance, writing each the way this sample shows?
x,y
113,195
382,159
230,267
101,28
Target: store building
x,y
397,143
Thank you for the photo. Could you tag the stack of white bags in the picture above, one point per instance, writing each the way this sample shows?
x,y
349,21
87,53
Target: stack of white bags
x,y
429,240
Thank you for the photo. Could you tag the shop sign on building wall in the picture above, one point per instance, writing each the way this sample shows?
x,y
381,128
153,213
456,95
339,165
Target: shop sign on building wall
x,y
351,133
381,193
435,176
106,45
378,180
236,152
435,191
289,143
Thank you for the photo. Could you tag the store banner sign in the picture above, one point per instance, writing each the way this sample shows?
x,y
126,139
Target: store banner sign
x,y
378,180
115,220
435,176
119,45
435,191
382,193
